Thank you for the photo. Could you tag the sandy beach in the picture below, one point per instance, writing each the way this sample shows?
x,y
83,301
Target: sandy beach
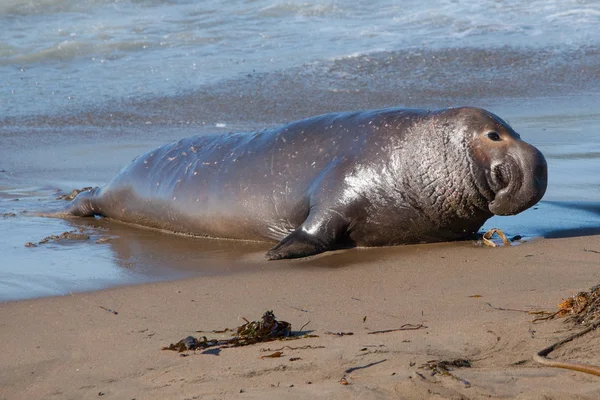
x,y
71,347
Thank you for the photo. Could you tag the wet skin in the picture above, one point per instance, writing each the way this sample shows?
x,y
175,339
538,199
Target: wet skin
x,y
369,178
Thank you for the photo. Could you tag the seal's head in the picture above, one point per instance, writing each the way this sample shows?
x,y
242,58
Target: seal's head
x,y
510,173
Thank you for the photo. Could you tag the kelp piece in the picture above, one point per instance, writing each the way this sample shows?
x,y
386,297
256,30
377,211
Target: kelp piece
x,y
69,235
264,330
541,355
277,354
486,239
443,367
74,193
582,308
267,328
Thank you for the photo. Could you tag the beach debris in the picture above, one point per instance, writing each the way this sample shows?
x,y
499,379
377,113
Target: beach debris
x,y
277,354
520,362
405,327
592,251
190,343
339,333
523,311
344,381
300,309
294,348
506,309
366,351
582,308
106,239
350,370
109,310
69,235
219,330
540,356
443,367
420,375
304,326
74,193
295,358
366,346
486,239
265,330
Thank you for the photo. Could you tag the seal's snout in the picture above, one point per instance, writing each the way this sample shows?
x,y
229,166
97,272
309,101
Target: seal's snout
x,y
522,180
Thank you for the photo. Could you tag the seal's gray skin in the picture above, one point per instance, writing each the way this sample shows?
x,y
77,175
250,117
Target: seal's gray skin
x,y
369,178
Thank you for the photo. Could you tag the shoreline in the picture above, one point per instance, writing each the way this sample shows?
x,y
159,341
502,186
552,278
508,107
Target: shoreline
x,y
50,343
36,165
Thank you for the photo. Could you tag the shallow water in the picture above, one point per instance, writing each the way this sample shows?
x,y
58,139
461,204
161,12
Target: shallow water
x,y
85,86
114,254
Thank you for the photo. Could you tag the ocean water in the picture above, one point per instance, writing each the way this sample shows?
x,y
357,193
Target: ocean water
x,y
61,56
87,85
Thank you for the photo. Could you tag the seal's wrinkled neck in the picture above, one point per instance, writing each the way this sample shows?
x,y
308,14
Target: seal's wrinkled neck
x,y
440,175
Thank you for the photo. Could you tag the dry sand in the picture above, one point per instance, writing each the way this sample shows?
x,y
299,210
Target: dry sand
x,y
71,348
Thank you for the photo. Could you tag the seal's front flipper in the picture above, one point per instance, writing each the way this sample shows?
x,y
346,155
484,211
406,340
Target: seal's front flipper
x,y
327,226
296,245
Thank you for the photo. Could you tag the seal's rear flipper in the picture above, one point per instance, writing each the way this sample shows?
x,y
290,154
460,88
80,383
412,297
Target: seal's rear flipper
x,y
85,204
296,245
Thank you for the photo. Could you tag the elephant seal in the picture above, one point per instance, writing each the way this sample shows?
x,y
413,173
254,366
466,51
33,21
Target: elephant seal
x,y
368,178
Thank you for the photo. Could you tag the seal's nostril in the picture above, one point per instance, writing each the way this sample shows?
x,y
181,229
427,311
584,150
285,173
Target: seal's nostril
x,y
501,176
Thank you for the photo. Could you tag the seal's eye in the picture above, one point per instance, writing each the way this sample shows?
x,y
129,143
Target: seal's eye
x,y
494,136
